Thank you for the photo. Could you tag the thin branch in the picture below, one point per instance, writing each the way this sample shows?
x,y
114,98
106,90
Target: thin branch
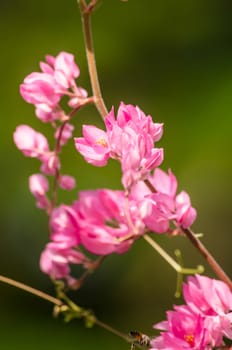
x,y
178,268
201,248
208,257
86,11
59,303
31,290
113,330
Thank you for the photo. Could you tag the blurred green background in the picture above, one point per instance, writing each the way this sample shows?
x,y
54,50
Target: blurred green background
x,y
174,60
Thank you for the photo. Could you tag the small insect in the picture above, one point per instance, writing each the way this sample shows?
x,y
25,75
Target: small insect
x,y
139,338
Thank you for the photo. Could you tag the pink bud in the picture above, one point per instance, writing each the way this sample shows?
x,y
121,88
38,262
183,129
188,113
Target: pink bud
x,y
40,88
38,185
67,182
65,70
30,142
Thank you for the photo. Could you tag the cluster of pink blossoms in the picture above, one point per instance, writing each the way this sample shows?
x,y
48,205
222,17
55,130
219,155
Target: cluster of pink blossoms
x,y
45,90
104,221
101,221
203,323
128,138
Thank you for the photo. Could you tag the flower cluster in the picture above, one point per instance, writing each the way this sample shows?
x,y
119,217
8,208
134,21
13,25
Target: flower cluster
x,y
101,221
203,322
104,221
45,90
128,138
96,221
163,205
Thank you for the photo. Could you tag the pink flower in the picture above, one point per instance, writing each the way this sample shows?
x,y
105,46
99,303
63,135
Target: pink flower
x,y
139,157
80,97
128,138
50,163
104,227
182,330
131,138
213,299
93,146
41,88
103,221
65,70
55,260
186,214
67,182
30,142
65,227
45,89
207,296
163,205
38,185
48,113
203,323
134,117
164,183
160,211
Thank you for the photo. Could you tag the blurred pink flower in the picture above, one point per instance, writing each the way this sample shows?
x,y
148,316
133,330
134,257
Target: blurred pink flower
x,y
64,225
40,88
207,296
185,213
65,69
67,182
38,185
48,114
30,142
50,163
56,257
104,226
57,79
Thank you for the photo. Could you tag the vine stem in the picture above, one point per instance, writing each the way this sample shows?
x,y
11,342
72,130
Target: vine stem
x,y
208,257
58,302
31,290
86,11
201,248
177,267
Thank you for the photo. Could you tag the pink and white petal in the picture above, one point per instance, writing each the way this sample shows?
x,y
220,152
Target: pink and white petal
x,y
165,183
97,155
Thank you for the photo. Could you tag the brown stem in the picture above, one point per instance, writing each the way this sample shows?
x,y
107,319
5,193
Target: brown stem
x,y
58,303
56,152
208,257
201,248
86,11
57,173
31,290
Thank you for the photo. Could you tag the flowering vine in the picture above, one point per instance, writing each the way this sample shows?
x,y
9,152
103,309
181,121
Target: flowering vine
x,y
104,221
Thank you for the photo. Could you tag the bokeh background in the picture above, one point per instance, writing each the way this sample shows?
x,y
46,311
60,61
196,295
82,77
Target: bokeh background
x,y
174,60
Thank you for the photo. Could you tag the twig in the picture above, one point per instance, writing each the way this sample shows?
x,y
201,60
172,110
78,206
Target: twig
x,y
178,268
208,257
31,290
201,248
57,302
86,11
